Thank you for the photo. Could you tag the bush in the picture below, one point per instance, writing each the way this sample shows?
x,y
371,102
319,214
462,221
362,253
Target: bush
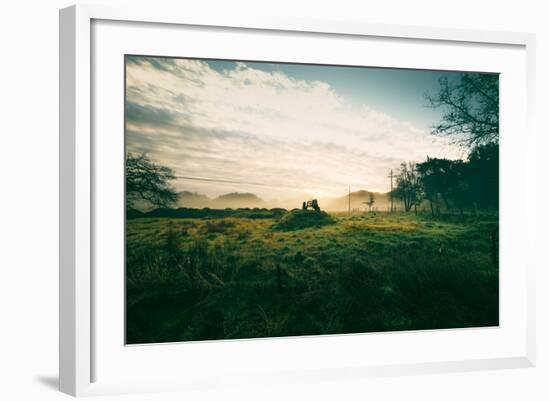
x,y
133,214
300,219
206,213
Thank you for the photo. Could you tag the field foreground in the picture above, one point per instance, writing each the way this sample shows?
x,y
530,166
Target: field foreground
x,y
240,277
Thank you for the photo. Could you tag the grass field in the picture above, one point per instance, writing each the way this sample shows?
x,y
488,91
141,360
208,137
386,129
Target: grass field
x,y
302,273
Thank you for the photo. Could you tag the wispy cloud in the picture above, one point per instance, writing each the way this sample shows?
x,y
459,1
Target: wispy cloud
x,y
252,125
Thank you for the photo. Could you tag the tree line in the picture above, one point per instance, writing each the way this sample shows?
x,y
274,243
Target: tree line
x,y
456,185
470,119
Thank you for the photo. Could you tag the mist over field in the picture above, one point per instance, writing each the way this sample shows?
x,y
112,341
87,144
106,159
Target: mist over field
x,y
355,200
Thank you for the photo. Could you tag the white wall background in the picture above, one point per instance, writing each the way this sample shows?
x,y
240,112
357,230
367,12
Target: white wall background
x,y
29,198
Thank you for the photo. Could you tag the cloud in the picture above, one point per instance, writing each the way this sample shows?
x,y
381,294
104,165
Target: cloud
x,y
150,116
252,125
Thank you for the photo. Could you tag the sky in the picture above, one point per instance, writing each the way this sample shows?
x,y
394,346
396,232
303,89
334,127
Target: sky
x,y
280,130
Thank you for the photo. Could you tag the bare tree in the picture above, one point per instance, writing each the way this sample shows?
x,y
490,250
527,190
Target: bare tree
x,y
148,182
409,187
471,109
370,201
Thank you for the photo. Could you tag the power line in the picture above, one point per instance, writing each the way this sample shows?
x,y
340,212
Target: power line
x,y
260,184
223,181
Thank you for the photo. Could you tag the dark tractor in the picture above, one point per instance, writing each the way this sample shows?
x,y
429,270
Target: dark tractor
x,y
311,204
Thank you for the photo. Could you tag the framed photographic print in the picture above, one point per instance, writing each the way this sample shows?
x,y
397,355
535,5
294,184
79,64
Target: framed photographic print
x,y
273,200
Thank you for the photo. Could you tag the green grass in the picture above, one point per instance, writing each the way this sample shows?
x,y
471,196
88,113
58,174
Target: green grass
x,y
217,278
300,219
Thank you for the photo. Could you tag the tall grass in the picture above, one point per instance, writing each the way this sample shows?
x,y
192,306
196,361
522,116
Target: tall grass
x,y
209,281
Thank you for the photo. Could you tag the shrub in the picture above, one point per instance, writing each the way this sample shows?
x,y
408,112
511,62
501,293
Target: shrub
x,y
300,219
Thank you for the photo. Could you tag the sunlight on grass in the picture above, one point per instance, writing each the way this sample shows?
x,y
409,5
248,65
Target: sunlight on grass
x,y
239,277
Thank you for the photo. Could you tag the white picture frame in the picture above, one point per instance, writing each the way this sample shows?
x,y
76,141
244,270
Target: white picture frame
x,y
80,349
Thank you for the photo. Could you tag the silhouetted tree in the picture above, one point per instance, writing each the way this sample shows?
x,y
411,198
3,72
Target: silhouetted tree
x,y
483,164
149,182
462,184
409,188
370,201
471,104
459,185
435,180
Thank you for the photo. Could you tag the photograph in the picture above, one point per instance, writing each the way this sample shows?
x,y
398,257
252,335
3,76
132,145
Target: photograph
x,y
275,199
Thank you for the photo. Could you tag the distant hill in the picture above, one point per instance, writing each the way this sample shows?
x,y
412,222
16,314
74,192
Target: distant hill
x,y
233,200
357,199
193,200
237,200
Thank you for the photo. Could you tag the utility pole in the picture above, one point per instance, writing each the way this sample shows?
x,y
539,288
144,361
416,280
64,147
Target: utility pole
x,y
391,190
349,199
